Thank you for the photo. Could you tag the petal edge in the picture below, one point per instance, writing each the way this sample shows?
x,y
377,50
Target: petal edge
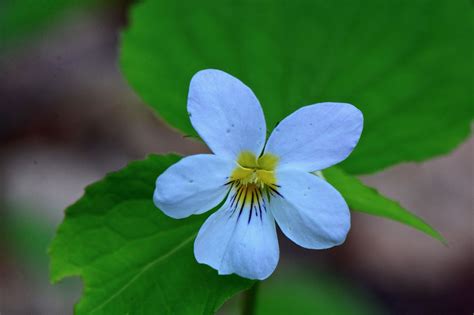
x,y
231,244
226,114
193,185
313,214
316,136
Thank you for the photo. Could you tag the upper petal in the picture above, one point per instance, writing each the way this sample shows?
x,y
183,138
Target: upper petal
x,y
226,114
312,213
193,185
233,241
316,136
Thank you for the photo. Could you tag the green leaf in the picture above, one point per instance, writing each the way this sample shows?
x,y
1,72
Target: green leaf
x,y
365,199
131,257
306,292
406,64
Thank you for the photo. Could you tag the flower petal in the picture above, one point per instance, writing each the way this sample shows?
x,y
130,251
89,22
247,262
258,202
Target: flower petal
x,y
226,114
193,185
230,242
312,213
316,136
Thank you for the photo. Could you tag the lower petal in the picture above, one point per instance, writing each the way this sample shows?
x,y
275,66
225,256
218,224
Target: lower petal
x,y
239,240
311,212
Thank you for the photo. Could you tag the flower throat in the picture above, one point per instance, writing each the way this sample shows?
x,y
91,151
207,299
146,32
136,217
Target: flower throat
x,y
251,181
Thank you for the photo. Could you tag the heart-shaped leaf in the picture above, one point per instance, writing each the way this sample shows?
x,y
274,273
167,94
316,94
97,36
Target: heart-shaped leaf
x,y
131,257
406,64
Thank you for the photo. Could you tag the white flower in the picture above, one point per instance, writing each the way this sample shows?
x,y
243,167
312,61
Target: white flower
x,y
259,183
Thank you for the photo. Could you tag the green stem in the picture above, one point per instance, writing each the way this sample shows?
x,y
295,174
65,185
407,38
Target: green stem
x,y
250,300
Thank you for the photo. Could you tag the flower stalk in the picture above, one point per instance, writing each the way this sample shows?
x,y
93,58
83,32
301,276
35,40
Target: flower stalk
x,y
249,302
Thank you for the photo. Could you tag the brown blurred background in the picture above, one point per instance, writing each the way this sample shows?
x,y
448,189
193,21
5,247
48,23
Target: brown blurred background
x,y
67,117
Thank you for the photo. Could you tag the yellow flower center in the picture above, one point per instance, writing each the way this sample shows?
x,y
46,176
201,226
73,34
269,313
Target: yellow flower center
x,y
259,172
251,181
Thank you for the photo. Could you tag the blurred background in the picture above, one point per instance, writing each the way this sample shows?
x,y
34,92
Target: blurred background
x,y
59,86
